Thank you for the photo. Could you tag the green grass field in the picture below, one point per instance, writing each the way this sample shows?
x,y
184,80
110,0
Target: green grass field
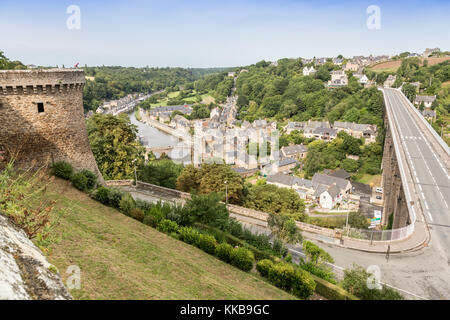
x,y
121,258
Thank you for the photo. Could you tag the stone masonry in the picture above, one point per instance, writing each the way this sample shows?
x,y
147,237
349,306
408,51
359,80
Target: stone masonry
x,y
41,118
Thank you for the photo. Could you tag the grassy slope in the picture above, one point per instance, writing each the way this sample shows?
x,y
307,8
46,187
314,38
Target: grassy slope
x,y
121,258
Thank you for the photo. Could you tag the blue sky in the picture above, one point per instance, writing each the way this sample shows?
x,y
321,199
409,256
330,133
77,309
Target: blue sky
x,y
214,33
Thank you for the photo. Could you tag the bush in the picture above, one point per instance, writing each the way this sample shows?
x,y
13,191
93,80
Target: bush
x,y
207,243
167,226
319,271
282,275
224,251
102,195
331,291
127,204
91,179
189,235
143,205
137,214
242,258
62,169
150,220
264,266
80,181
114,197
303,285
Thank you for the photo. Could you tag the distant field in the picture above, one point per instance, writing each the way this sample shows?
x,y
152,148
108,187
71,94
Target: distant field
x,y
392,66
121,258
446,84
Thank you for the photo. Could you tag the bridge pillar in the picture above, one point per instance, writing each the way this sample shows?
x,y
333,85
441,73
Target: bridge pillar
x,y
394,196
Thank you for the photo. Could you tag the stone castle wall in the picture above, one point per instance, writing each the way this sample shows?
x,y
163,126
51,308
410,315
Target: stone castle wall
x,y
41,118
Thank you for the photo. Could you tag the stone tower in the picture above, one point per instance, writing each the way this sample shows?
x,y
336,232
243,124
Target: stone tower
x,y
41,118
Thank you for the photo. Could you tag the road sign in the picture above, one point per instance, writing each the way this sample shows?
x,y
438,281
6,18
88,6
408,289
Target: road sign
x,y
377,214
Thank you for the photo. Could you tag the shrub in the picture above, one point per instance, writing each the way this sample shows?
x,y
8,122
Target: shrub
x,y
242,258
189,235
137,214
102,195
264,266
143,205
127,204
114,197
224,251
150,220
80,181
91,179
207,243
62,170
167,226
303,285
282,275
331,291
322,272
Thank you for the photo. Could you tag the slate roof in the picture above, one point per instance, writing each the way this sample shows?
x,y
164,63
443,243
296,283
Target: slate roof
x,y
361,188
330,180
287,161
341,173
295,149
420,99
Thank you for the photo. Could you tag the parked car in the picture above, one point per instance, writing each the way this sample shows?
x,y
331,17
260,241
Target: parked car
x,y
379,197
379,190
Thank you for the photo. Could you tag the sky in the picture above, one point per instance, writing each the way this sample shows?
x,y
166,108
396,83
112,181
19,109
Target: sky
x,y
213,33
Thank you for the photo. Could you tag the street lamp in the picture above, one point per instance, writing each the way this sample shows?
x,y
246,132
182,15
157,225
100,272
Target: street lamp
x,y
226,192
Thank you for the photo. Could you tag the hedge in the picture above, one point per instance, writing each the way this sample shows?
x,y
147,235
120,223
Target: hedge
x,y
189,235
207,243
167,226
236,242
223,252
331,291
303,285
242,258
264,266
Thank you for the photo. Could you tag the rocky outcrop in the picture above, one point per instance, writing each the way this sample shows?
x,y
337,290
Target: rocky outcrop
x,y
25,274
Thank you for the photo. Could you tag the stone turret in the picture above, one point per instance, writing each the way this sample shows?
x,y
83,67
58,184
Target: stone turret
x,y
41,118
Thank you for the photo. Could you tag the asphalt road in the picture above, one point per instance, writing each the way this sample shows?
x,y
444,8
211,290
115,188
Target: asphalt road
x,y
431,178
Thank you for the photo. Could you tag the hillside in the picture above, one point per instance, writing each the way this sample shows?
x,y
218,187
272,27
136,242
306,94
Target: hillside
x,y
392,66
121,258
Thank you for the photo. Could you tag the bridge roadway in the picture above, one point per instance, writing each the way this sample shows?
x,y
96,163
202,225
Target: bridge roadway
x,y
427,161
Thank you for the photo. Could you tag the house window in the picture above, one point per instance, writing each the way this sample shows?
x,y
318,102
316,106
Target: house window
x,y
40,107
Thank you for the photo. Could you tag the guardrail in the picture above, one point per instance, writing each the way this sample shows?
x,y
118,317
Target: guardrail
x,y
427,124
397,143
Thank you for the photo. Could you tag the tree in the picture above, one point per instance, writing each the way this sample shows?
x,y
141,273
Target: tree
x,y
356,282
284,228
357,220
114,145
211,178
207,209
410,91
316,255
272,199
162,172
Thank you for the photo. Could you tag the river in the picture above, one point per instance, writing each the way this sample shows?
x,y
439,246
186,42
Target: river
x,y
152,137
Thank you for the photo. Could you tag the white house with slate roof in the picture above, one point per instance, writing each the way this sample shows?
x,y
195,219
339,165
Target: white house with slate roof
x,y
427,100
